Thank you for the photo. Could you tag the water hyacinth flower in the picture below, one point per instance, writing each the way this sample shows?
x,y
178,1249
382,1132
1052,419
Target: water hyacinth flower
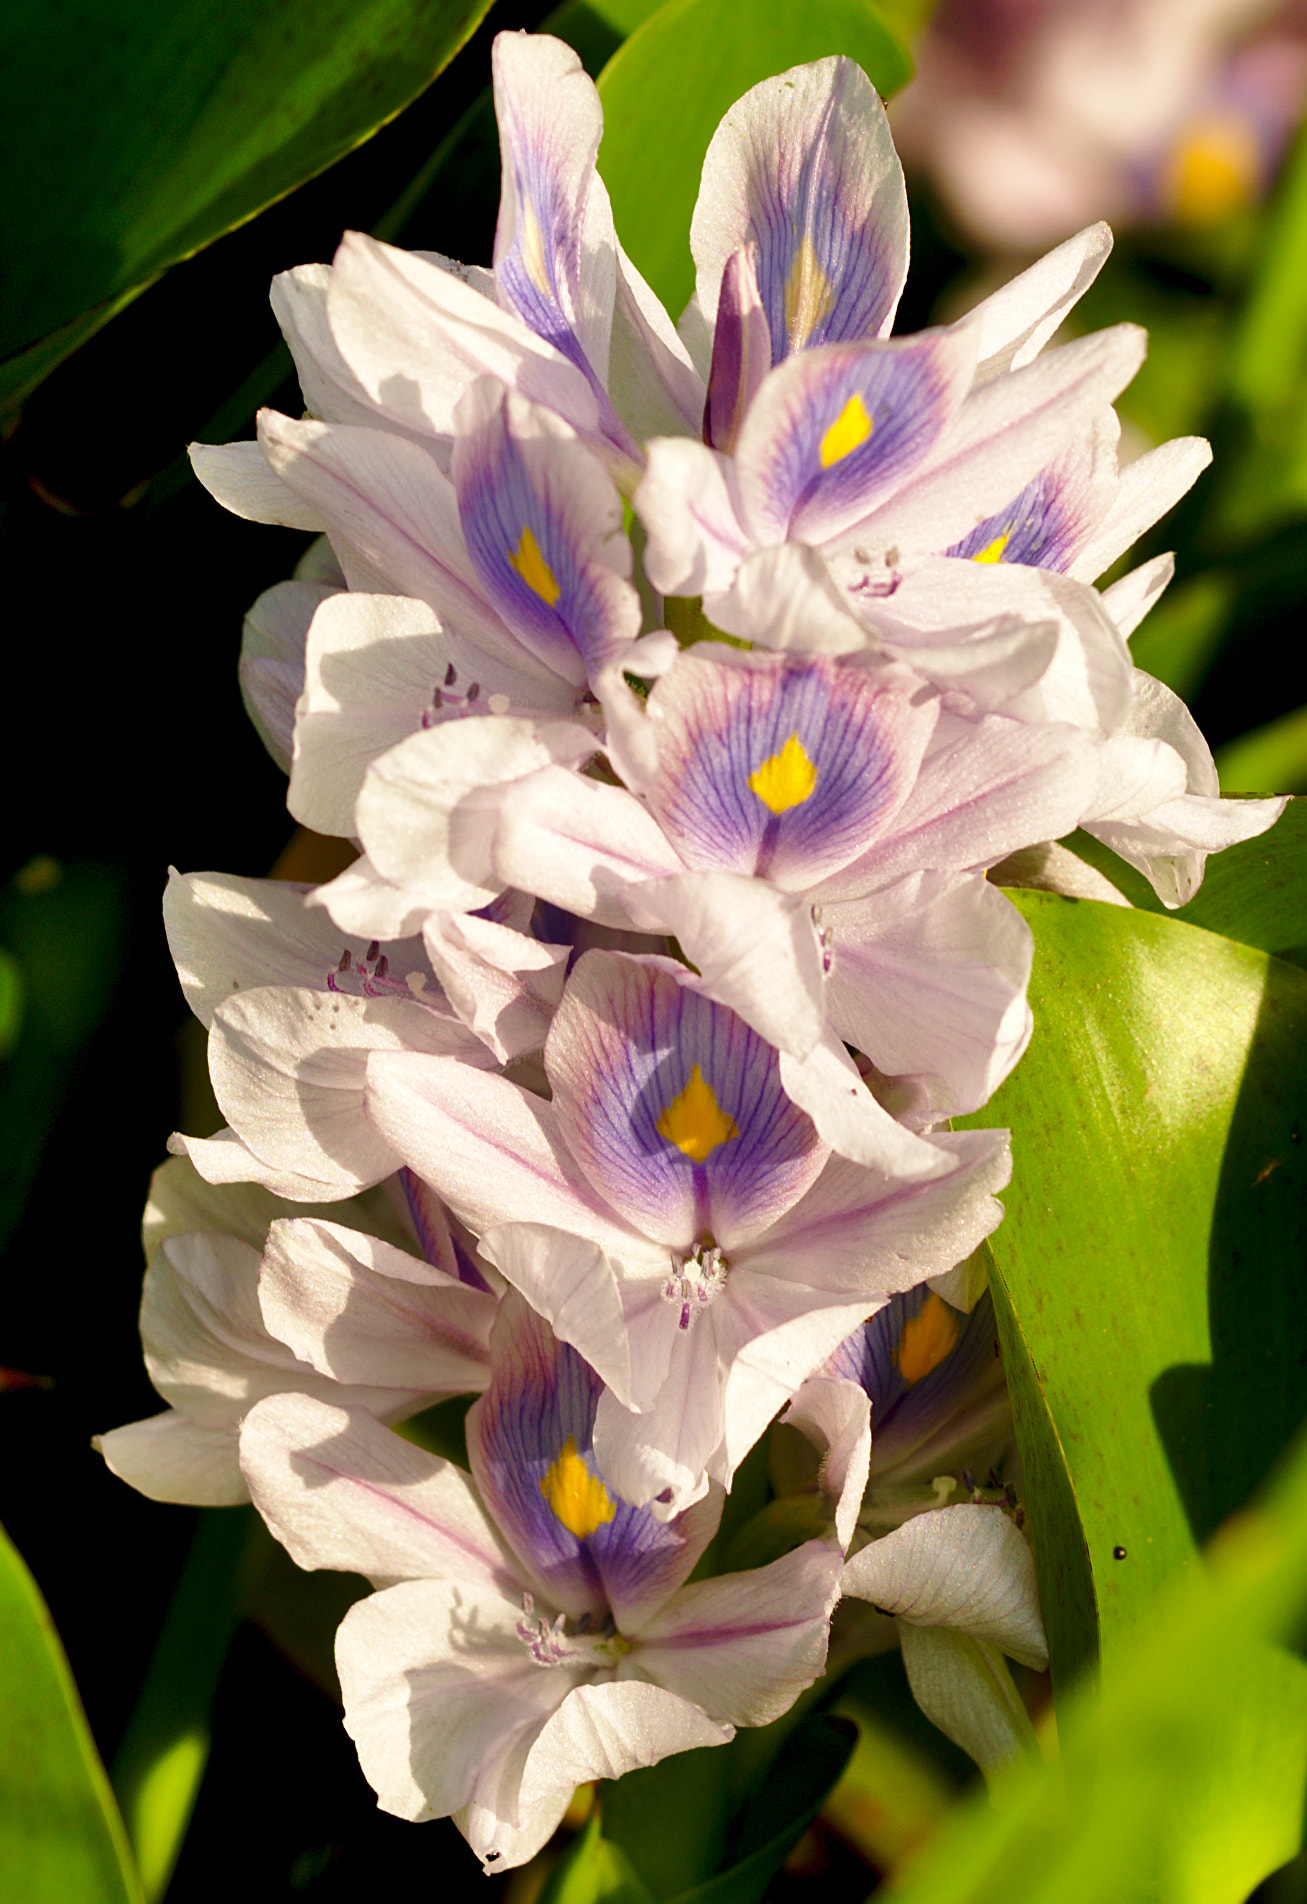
x,y
676,1215
534,1629
897,1415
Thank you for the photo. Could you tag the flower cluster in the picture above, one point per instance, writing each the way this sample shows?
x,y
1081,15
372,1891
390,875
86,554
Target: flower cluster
x,y
677,688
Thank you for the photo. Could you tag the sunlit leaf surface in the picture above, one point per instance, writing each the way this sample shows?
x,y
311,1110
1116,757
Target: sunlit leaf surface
x,y
133,137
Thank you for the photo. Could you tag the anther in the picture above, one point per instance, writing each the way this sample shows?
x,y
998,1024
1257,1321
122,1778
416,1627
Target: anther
x,y
451,675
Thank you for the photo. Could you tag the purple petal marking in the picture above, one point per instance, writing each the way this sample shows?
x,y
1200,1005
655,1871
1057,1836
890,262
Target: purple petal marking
x,y
804,166
540,1409
741,351
719,724
904,1412
1041,527
543,526
833,432
550,122
628,1040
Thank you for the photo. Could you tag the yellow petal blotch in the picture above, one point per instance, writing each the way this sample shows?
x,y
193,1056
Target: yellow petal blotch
x,y
808,295
695,1122
578,1497
927,1338
785,779
993,551
847,433
534,570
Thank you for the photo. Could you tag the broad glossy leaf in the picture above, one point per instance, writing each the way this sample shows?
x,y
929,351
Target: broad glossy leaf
x,y
1150,1263
60,1834
667,88
133,136
1184,1782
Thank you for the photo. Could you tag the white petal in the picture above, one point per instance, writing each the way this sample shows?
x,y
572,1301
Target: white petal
x,y
964,1687
965,1567
238,476
171,1458
340,1491
744,1646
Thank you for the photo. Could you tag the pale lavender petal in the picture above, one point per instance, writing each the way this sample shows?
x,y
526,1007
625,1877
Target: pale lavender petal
x,y
744,1646
228,935
602,1731
273,639
1147,488
494,1152
169,1457
998,441
834,433
804,167
654,386
963,1686
288,1068
779,767
239,476
416,335
362,1312
579,844
504,985
377,669
688,501
862,1232
927,978
550,123
428,809
1017,320
340,1491
1057,512
672,1106
440,1693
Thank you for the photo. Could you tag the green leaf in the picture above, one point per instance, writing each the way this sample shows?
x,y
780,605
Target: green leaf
x,y
1271,345
666,90
593,1871
1183,1783
159,1765
61,1838
133,136
1270,756
809,1763
1148,1270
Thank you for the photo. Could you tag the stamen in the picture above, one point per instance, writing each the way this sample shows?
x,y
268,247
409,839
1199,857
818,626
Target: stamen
x,y
699,1279
549,1643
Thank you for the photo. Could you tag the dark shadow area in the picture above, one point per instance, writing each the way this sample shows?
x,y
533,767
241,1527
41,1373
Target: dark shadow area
x,y
1224,1425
